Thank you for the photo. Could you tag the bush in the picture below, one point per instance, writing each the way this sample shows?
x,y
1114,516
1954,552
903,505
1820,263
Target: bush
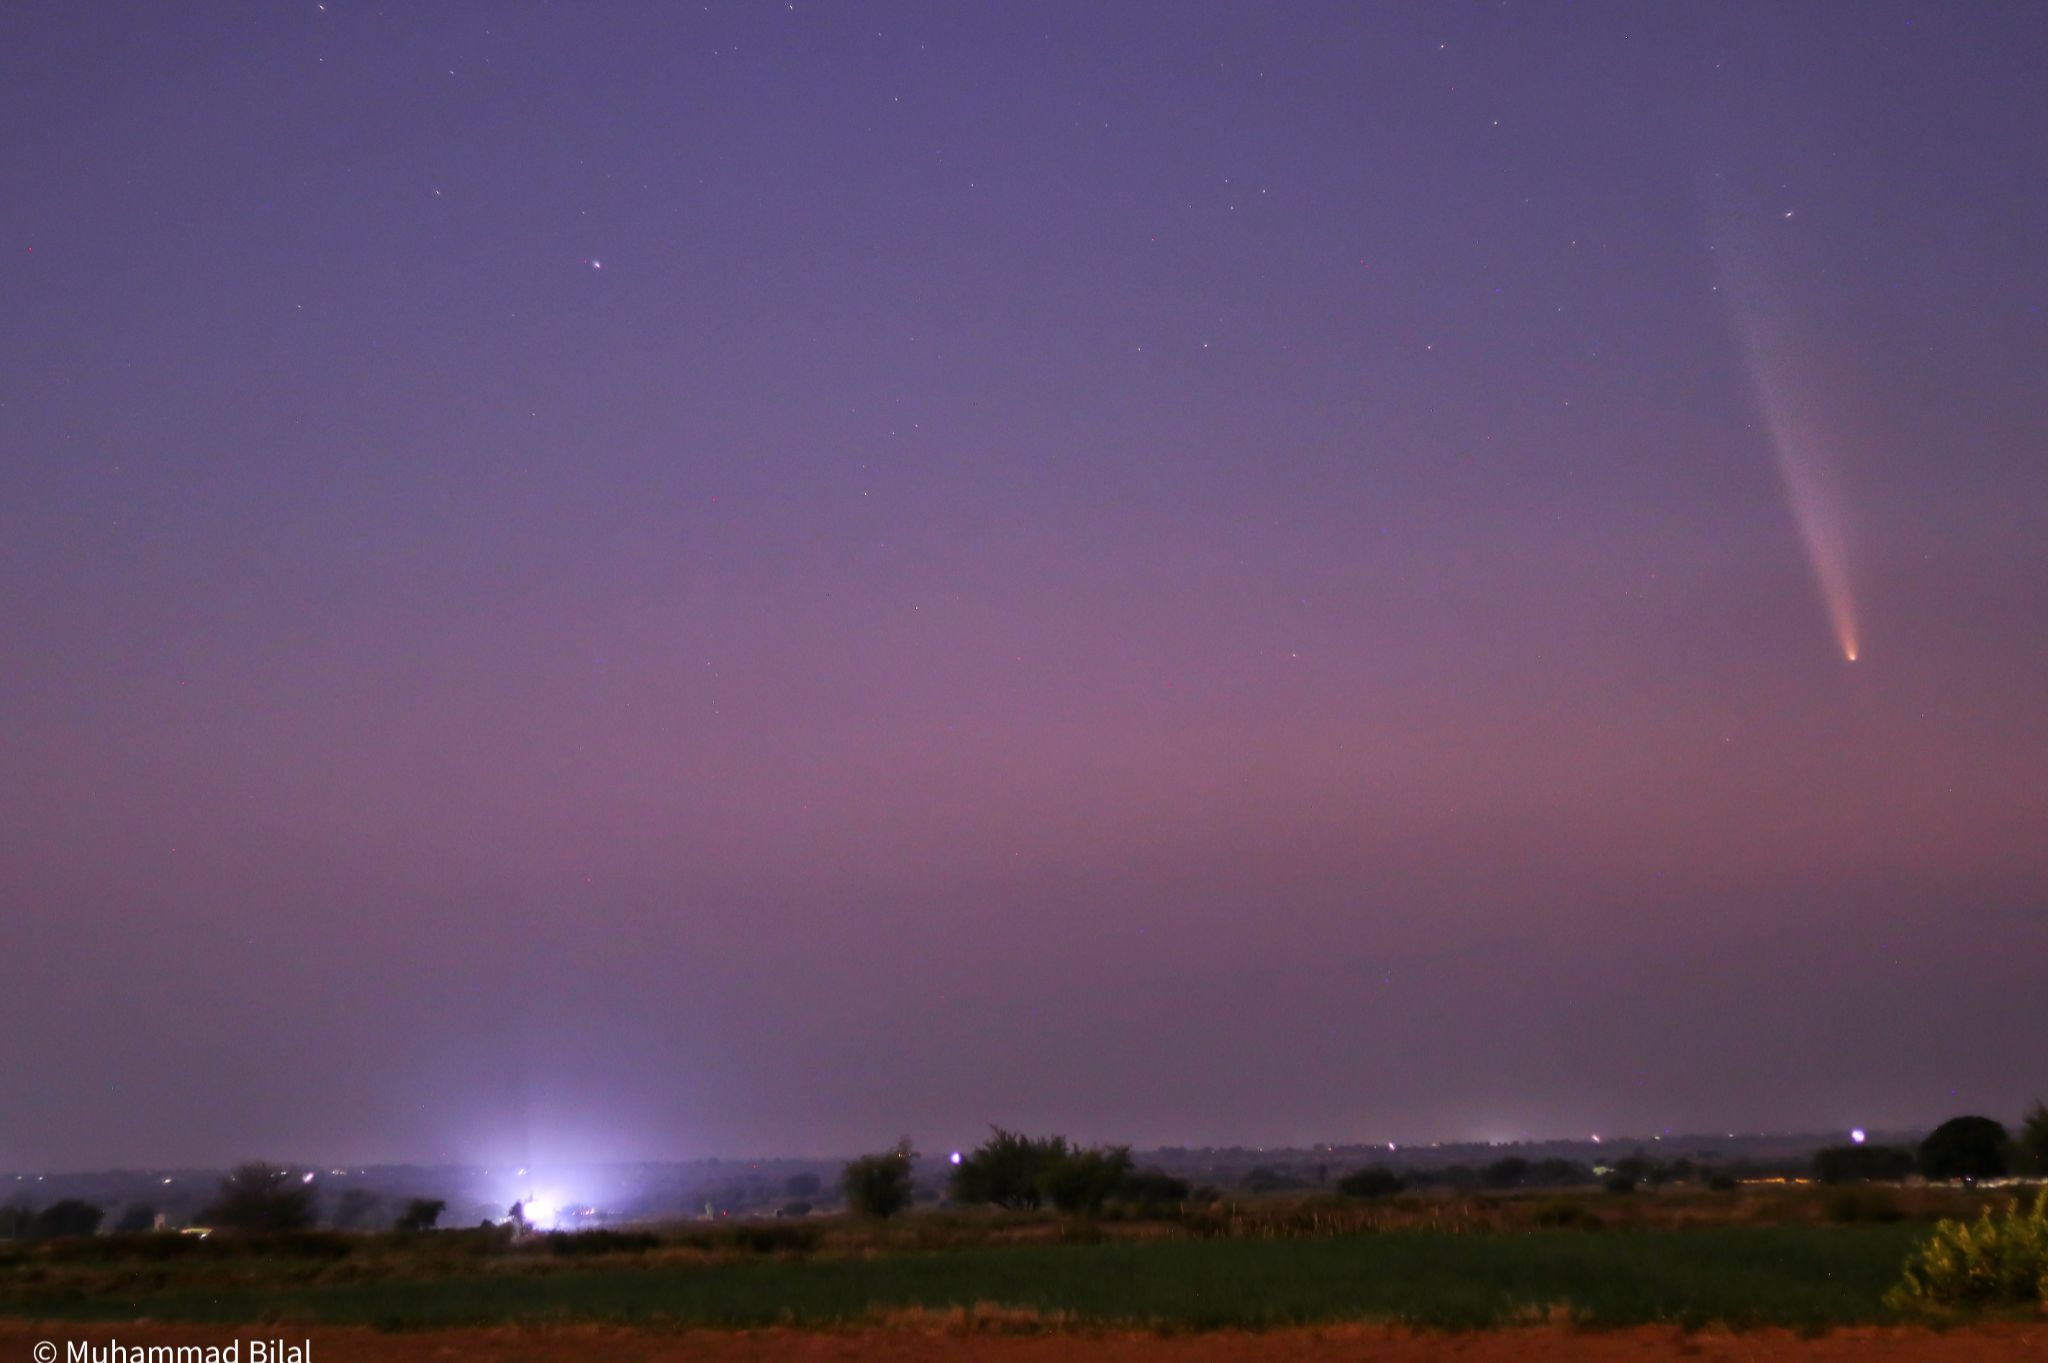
x,y
1862,1164
1567,1215
299,1244
578,1243
71,1217
1458,1176
1375,1180
1264,1180
1558,1173
1722,1183
1967,1148
879,1185
420,1214
136,1249
774,1239
1154,1190
1638,1168
1085,1179
1619,1183
1999,1259
17,1221
469,1242
1508,1172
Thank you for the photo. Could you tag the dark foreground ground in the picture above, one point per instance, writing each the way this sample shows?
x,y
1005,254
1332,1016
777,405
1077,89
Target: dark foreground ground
x,y
1795,1276
944,1339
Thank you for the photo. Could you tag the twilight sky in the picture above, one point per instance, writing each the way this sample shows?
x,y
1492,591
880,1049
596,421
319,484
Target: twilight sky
x,y
641,580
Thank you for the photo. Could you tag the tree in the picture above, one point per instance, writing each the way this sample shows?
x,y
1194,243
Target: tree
x,y
2033,1140
1263,1179
1680,1170
1086,1179
802,1185
1009,1169
1021,1172
421,1214
1458,1176
139,1217
17,1221
1375,1180
1862,1163
1153,1189
69,1217
1508,1172
1636,1168
879,1185
1967,1148
1558,1173
261,1197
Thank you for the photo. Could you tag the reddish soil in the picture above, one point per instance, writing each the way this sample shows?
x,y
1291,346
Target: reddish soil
x,y
1995,1343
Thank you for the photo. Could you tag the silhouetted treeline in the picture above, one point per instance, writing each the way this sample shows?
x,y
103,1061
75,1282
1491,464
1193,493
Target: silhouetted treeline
x,y
1009,1170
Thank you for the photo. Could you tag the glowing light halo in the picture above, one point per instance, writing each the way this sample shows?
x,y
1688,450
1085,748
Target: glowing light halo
x,y
541,1210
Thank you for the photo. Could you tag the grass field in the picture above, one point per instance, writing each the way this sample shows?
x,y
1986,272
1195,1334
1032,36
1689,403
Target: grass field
x,y
1806,1277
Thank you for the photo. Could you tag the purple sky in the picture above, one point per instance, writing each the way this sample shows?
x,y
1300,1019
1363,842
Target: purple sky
x,y
635,580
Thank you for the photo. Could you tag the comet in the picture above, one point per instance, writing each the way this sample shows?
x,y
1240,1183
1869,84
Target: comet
x,y
1803,466
1806,457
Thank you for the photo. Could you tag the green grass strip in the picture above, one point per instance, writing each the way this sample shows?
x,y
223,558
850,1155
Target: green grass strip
x,y
1798,1276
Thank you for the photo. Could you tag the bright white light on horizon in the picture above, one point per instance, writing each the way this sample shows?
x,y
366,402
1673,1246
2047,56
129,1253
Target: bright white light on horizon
x,y
539,1212
954,1157
1857,1135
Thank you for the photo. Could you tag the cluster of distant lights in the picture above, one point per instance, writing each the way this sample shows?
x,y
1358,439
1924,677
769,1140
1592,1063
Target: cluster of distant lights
x,y
543,1212
1857,1135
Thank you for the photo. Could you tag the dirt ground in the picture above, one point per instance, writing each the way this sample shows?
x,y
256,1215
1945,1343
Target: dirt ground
x,y
912,1344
